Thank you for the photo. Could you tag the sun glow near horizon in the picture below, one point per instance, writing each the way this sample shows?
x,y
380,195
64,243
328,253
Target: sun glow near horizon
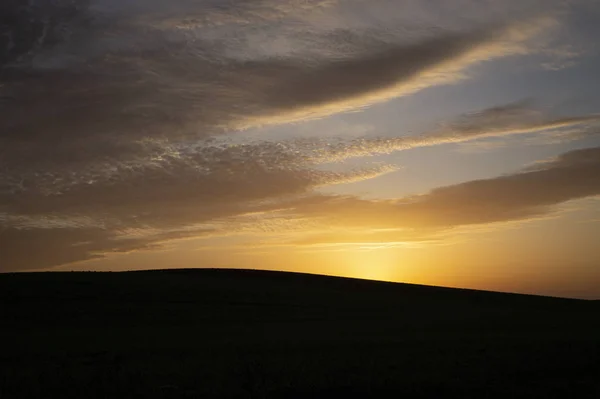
x,y
368,261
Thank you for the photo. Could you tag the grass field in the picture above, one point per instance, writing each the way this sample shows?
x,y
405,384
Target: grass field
x,y
255,334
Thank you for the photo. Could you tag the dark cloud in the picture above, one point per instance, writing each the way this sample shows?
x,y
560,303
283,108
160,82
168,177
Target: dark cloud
x,y
349,78
528,194
38,249
29,26
520,196
143,210
41,248
226,176
93,82
208,171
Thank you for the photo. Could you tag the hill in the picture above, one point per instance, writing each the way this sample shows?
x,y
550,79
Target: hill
x,y
242,333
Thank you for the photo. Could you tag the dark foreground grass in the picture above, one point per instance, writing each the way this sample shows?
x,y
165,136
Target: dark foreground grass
x,y
237,334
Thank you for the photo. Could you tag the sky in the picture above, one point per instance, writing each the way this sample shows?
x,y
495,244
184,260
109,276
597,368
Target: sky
x,y
441,142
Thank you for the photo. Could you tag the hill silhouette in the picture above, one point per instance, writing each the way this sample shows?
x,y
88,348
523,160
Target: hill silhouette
x,y
247,333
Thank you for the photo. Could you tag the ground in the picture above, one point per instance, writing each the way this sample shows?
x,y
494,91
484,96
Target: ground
x,y
233,333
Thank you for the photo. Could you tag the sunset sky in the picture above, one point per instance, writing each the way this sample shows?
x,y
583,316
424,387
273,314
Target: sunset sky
x,y
442,142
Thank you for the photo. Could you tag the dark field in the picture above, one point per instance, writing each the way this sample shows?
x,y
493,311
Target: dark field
x,y
231,333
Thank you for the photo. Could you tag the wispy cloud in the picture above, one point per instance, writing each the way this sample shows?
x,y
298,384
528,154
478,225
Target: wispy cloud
x,y
96,97
507,120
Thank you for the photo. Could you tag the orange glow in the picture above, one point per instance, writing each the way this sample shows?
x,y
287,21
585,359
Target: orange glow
x,y
370,263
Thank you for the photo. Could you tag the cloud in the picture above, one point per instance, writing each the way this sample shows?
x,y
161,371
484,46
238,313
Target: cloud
x,y
163,190
531,193
209,169
94,93
190,14
215,187
141,211
27,249
506,120
363,238
311,220
38,249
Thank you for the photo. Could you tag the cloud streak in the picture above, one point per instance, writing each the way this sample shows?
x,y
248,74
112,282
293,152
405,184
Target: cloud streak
x,y
511,119
530,193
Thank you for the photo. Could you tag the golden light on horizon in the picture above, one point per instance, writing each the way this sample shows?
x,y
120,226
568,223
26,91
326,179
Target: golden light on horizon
x,y
372,262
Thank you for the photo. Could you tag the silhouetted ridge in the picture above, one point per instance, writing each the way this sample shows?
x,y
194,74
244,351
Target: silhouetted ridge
x,y
245,333
346,282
